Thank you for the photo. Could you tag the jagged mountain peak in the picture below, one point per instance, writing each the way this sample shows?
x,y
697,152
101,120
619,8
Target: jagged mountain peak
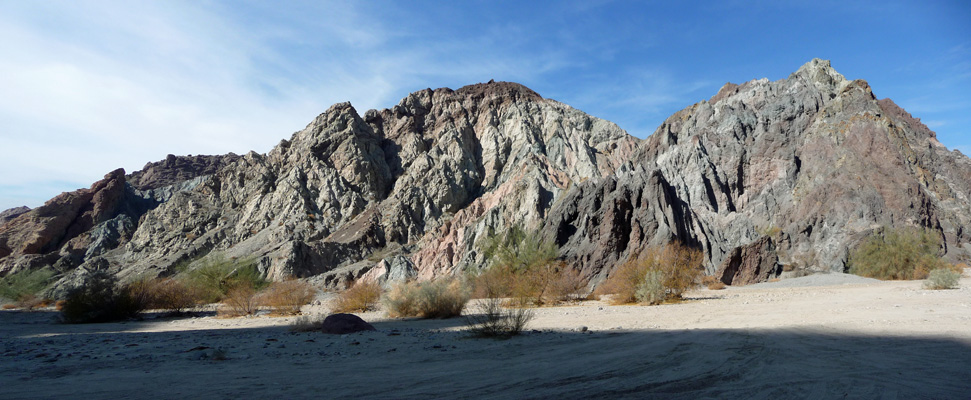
x,y
820,72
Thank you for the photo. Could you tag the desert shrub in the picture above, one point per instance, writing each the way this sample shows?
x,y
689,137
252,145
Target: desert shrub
x,y
942,278
676,267
651,290
623,281
362,296
402,300
523,267
286,297
568,285
442,298
712,283
171,294
23,287
905,253
99,300
493,282
491,319
239,301
218,275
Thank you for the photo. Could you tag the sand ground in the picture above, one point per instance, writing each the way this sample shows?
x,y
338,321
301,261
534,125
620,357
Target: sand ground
x,y
823,336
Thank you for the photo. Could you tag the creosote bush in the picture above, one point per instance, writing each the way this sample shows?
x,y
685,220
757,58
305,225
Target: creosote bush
x,y
441,298
99,300
362,296
942,278
902,253
656,276
287,297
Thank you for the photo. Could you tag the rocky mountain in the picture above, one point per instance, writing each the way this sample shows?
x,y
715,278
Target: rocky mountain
x,y
764,176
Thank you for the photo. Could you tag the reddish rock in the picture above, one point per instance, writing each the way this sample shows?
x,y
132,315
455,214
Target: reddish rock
x,y
752,263
69,215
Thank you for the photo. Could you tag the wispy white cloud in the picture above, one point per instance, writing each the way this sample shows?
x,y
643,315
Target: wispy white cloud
x,y
92,86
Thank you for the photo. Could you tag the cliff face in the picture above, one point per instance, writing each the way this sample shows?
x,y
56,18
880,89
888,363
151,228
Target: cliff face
x,y
762,175
813,163
423,180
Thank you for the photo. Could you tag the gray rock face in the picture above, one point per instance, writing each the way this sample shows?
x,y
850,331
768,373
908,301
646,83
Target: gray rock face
x,y
814,163
434,171
762,175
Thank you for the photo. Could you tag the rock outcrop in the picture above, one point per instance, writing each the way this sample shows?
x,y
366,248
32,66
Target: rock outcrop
x,y
762,176
175,169
11,213
812,163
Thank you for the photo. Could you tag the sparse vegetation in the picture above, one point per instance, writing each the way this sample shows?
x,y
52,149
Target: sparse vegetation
x,y
99,301
491,319
655,276
568,285
239,301
524,268
712,283
362,296
891,254
442,298
651,290
22,288
942,278
219,275
287,297
165,294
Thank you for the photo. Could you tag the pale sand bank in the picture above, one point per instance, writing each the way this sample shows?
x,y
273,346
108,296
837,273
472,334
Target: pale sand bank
x,y
849,338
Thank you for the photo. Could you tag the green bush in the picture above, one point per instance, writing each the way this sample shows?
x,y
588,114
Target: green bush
x,y
218,275
651,290
24,285
99,300
904,253
525,268
442,298
942,278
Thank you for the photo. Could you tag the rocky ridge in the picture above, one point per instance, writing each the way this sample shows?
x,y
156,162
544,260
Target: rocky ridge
x,y
763,176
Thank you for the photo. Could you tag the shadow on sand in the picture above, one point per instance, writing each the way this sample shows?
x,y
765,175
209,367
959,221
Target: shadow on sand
x,y
413,359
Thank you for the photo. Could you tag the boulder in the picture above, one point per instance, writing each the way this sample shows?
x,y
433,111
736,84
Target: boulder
x,y
340,324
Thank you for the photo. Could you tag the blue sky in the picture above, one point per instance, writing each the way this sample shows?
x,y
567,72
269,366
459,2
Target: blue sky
x,y
91,86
